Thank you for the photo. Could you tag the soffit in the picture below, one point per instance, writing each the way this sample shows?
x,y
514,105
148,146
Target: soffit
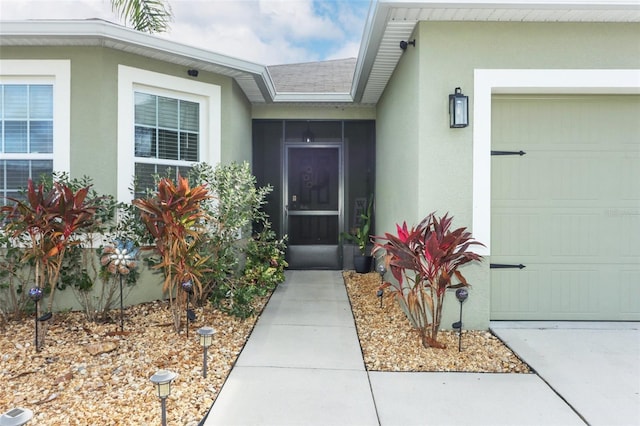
x,y
394,21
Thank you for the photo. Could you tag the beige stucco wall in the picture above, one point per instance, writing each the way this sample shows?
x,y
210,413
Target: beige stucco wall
x,y
94,119
94,72
425,166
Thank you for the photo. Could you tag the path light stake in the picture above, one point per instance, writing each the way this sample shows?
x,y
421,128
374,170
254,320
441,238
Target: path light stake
x,y
35,293
381,270
120,258
206,338
187,286
461,295
162,379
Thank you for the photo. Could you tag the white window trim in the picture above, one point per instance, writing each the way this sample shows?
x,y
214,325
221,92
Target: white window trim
x,y
135,79
525,81
57,73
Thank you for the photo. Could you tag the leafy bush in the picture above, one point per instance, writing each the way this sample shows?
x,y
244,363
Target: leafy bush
x,y
50,220
176,220
240,264
424,260
263,271
79,267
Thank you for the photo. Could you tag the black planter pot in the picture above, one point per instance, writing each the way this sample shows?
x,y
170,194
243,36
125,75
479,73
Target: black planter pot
x,y
362,264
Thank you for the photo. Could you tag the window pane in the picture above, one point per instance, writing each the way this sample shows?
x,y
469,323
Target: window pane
x,y
15,136
189,116
145,110
16,195
182,171
41,101
167,113
17,174
41,168
15,101
167,144
144,178
145,142
41,137
189,146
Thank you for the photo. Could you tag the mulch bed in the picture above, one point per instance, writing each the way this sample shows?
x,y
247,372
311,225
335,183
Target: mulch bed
x,y
390,344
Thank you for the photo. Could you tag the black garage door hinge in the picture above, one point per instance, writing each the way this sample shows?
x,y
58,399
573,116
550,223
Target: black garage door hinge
x,y
520,153
505,266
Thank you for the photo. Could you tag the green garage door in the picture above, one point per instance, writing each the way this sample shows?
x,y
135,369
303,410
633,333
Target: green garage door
x,y
568,209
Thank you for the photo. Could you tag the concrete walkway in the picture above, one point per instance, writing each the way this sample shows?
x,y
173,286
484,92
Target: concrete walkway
x,y
303,365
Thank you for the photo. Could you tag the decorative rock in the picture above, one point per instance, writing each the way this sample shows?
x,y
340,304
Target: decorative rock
x,y
101,348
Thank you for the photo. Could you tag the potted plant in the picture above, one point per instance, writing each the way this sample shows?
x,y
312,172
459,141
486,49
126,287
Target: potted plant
x,y
424,261
360,236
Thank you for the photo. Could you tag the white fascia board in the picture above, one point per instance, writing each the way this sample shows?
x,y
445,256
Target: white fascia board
x,y
97,29
93,28
371,37
533,4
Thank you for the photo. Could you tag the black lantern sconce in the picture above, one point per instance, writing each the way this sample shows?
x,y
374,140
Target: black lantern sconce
x,y
192,73
404,44
187,286
458,109
461,295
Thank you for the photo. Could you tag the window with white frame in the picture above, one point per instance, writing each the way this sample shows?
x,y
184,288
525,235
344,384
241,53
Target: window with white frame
x,y
165,125
167,135
34,126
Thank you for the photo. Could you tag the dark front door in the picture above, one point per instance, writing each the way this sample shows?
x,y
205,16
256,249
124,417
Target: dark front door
x,y
313,205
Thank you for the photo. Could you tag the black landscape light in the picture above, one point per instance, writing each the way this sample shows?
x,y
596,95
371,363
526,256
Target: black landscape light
x,y
381,270
35,294
461,295
162,379
16,417
206,338
187,286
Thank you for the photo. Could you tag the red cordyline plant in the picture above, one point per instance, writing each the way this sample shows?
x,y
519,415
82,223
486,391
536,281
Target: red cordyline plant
x,y
424,261
175,219
51,221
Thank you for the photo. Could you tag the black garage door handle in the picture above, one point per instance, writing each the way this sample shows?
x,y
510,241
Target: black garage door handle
x,y
505,266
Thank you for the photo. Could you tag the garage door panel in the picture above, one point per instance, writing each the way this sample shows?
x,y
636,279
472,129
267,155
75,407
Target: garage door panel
x,y
541,291
515,189
572,234
569,209
629,301
516,234
574,291
510,299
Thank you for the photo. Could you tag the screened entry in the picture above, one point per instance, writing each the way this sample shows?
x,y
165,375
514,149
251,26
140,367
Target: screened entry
x,y
321,172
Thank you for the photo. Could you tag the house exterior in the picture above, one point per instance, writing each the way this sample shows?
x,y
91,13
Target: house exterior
x,y
559,81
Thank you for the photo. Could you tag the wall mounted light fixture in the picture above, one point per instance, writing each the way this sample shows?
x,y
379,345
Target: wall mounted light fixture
x,y
404,44
307,135
458,109
192,73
